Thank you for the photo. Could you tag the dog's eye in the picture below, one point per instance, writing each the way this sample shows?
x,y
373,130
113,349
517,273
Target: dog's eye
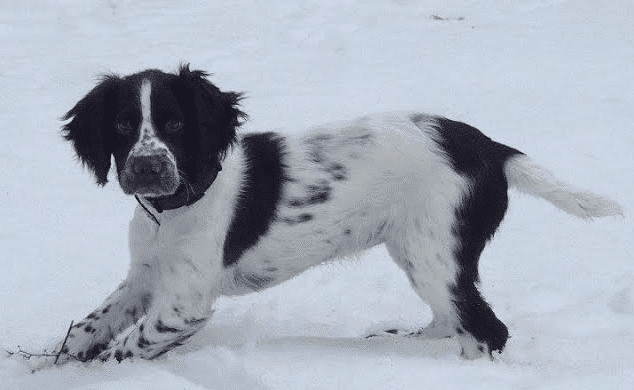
x,y
173,126
124,127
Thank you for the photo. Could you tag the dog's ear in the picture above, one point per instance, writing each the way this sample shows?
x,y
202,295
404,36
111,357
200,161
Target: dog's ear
x,y
89,129
217,113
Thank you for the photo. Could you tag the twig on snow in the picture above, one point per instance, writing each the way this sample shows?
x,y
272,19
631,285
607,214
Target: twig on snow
x,y
63,343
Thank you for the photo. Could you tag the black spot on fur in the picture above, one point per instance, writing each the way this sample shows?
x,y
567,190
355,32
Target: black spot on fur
x,y
142,342
128,354
317,193
364,139
347,232
316,147
194,321
162,328
481,161
93,315
256,282
132,313
256,208
337,171
297,219
95,350
89,329
174,344
118,355
106,309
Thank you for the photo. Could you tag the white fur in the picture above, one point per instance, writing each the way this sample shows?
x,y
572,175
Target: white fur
x,y
528,177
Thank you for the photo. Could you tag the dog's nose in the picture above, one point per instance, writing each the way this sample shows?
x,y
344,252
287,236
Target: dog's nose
x,y
148,165
151,174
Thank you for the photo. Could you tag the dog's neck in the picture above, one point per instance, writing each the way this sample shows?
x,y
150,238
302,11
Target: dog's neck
x,y
186,194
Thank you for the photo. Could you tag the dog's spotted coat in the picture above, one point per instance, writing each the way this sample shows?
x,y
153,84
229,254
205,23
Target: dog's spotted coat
x,y
227,215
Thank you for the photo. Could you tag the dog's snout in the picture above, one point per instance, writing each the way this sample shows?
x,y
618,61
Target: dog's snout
x,y
149,175
148,165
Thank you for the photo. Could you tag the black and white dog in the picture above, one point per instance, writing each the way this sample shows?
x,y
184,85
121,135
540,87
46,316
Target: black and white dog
x,y
221,214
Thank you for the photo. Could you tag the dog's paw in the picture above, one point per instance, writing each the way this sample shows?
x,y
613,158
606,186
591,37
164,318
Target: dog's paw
x,y
434,331
115,353
389,332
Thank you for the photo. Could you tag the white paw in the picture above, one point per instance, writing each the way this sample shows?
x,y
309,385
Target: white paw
x,y
471,348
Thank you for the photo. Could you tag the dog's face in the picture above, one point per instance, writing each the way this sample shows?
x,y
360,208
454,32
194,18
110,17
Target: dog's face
x,y
163,130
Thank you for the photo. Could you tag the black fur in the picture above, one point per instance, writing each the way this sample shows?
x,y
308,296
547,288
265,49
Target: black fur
x,y
256,208
88,131
477,157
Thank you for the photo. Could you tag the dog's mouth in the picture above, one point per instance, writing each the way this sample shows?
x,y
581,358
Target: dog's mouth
x,y
149,176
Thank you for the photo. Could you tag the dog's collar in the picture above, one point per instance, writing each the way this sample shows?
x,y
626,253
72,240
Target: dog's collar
x,y
186,194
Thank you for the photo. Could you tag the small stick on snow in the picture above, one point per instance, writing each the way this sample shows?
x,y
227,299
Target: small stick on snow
x,y
28,355
63,343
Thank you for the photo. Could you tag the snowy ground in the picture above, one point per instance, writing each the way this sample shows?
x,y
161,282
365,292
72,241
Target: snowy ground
x,y
553,78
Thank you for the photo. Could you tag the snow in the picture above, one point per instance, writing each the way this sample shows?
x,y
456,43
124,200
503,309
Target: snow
x,y
553,78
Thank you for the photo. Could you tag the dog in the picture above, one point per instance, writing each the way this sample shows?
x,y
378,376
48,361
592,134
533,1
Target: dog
x,y
223,215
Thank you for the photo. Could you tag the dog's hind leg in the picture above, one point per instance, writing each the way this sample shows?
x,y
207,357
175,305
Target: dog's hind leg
x,y
442,282
438,245
430,275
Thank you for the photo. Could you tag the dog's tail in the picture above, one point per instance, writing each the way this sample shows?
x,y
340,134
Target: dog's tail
x,y
528,177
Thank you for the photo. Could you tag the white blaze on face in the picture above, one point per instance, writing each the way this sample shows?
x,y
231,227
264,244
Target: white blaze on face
x,y
146,107
148,142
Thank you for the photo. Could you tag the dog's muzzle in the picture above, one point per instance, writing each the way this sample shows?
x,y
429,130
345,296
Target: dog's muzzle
x,y
150,175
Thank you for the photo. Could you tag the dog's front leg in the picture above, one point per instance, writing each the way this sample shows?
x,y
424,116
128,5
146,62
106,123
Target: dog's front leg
x,y
180,307
89,337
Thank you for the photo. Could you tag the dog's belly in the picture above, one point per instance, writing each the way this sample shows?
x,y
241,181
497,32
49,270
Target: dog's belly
x,y
278,257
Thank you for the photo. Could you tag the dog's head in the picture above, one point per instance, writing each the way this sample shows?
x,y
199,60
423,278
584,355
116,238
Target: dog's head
x,y
165,131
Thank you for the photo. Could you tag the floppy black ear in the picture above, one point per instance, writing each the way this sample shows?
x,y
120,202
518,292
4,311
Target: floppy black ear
x,y
88,130
217,113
